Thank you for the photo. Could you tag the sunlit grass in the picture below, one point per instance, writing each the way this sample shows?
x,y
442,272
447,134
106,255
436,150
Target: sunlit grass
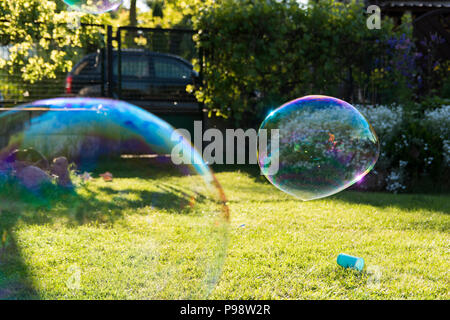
x,y
279,247
287,248
131,238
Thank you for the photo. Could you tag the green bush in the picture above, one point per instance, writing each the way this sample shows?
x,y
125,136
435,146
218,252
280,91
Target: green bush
x,y
414,149
41,41
262,53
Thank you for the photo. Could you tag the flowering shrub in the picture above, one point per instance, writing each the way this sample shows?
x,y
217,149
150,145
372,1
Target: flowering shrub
x,y
438,121
394,181
414,149
383,119
402,56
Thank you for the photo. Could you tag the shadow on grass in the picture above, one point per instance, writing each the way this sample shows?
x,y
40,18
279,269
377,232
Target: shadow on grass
x,y
150,168
15,280
435,203
73,207
252,170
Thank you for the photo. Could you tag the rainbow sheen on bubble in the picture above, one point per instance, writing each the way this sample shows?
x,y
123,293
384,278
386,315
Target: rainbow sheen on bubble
x,y
325,146
94,6
89,192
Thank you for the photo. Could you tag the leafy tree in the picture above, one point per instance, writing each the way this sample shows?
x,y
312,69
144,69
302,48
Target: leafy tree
x,y
172,13
262,53
43,39
157,7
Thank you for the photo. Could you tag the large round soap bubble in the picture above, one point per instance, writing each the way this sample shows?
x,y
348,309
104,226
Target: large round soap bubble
x,y
100,199
325,145
94,6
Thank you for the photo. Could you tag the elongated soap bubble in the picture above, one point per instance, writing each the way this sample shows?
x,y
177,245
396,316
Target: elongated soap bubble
x,y
94,206
94,6
325,146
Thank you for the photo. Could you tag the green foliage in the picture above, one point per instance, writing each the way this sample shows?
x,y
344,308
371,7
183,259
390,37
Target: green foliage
x,y
171,13
43,39
432,102
420,148
261,53
446,88
415,148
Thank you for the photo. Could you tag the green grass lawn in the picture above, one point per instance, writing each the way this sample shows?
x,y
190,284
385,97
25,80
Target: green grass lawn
x,y
278,247
288,248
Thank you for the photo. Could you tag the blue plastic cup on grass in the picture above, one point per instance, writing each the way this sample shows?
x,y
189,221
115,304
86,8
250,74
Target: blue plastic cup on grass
x,y
347,261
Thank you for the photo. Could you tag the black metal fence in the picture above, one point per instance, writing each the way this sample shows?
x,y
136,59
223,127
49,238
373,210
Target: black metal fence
x,y
147,66
154,66
151,67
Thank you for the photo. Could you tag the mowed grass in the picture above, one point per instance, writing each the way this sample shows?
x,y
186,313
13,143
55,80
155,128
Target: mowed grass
x,y
131,238
278,247
283,248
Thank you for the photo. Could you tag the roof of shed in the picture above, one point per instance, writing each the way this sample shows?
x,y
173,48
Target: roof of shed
x,y
414,3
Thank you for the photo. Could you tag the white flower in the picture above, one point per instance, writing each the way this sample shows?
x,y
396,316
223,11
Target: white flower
x,y
438,120
394,181
446,152
383,119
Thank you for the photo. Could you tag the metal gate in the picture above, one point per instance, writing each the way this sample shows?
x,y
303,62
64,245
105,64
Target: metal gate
x,y
148,67
151,68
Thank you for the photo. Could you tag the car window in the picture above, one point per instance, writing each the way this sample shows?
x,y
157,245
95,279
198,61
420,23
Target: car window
x,y
135,66
170,68
86,66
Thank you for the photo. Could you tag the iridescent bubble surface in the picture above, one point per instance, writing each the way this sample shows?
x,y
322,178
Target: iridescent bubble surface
x,y
325,145
93,204
94,6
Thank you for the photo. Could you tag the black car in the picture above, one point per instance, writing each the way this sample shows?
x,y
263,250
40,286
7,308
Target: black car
x,y
151,80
